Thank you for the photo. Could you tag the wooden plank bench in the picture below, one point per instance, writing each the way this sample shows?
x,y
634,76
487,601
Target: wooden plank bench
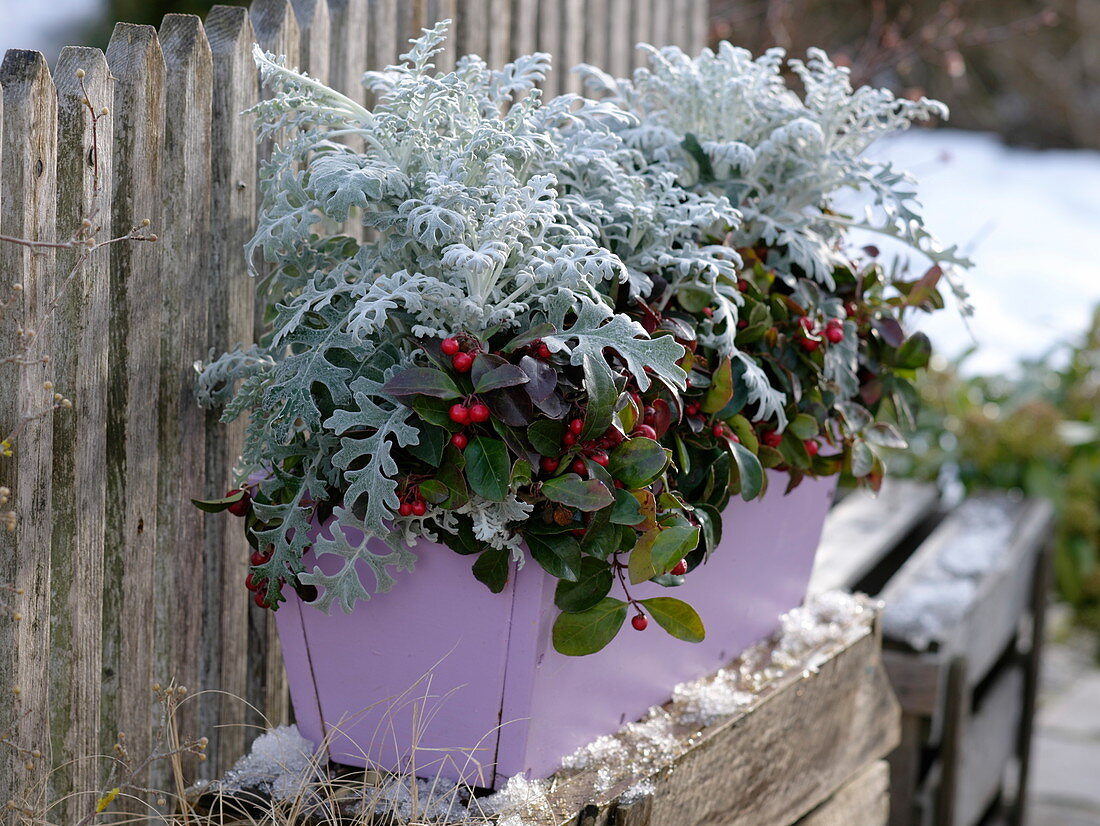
x,y
967,686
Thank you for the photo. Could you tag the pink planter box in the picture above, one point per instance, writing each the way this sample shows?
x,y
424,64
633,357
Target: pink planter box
x,y
471,677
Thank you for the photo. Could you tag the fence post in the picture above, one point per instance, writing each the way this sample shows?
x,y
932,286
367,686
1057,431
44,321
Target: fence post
x,y
314,25
28,197
232,297
348,47
79,471
136,62
573,24
525,27
642,29
184,247
382,30
550,42
620,44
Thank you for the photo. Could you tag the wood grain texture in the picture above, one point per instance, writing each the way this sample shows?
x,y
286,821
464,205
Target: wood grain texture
x,y
473,29
314,27
863,801
79,471
499,26
185,253
525,27
620,40
642,29
229,323
698,26
573,25
382,31
862,529
27,211
137,64
550,41
800,740
988,746
348,47
597,32
435,11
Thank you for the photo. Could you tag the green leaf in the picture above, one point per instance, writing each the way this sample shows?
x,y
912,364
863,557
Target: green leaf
x,y
602,395
218,505
430,447
677,617
886,435
558,554
433,411
804,426
749,470
914,352
863,458
586,632
593,584
658,551
627,510
492,568
574,492
505,375
721,388
422,381
545,436
488,468
695,149
637,462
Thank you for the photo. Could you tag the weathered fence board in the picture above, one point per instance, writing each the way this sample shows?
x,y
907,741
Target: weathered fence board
x,y
137,64
184,243
122,581
80,368
27,211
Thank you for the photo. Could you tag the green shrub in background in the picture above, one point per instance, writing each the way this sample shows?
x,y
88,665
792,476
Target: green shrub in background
x,y
1039,432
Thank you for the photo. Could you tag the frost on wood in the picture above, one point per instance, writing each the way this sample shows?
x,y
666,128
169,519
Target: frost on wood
x,y
941,592
808,637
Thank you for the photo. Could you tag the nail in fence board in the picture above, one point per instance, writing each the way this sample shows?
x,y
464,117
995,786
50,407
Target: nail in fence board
x,y
184,245
27,211
79,349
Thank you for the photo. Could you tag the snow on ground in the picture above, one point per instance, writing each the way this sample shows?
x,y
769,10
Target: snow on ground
x,y
1029,219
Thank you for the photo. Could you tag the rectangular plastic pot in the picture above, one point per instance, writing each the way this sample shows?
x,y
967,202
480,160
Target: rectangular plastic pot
x,y
441,676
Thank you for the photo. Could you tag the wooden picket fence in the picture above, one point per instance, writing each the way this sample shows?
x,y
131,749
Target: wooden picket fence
x,y
116,582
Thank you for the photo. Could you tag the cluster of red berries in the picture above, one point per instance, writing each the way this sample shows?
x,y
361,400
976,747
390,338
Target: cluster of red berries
x,y
721,430
810,339
772,438
464,413
594,449
413,503
461,360
258,586
538,349
243,505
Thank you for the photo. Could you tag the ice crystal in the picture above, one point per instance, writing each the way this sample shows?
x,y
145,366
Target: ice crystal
x,y
281,764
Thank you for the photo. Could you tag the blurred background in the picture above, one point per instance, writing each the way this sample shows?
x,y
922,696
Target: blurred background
x,y
1013,399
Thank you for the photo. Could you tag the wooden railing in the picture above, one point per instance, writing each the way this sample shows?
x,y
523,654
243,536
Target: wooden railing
x,y
112,582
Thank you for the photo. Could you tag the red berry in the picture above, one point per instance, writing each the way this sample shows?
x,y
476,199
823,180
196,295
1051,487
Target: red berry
x,y
549,464
834,334
681,568
734,437
260,598
600,458
419,507
479,413
543,352
649,414
812,447
459,413
406,509
258,558
462,362
577,532
742,285
568,439
708,312
639,622
613,437
772,438
806,323
719,430
242,505
646,431
576,426
460,441
692,409
449,346
253,584
618,484
579,467
809,344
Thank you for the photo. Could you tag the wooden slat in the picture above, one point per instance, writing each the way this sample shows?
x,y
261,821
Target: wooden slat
x,y
620,44
27,211
314,28
988,744
233,200
79,476
136,62
382,31
863,801
185,251
525,27
348,47
435,11
698,29
473,34
642,31
549,41
597,32
747,770
573,26
499,50
918,680
861,530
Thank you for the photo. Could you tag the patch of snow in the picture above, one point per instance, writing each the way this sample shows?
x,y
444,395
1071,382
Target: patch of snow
x,y
1028,219
438,800
281,765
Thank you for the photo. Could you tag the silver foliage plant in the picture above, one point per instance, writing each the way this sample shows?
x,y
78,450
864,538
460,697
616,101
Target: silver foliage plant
x,y
469,232
726,122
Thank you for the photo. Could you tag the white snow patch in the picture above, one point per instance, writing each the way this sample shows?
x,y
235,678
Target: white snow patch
x,y
280,764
